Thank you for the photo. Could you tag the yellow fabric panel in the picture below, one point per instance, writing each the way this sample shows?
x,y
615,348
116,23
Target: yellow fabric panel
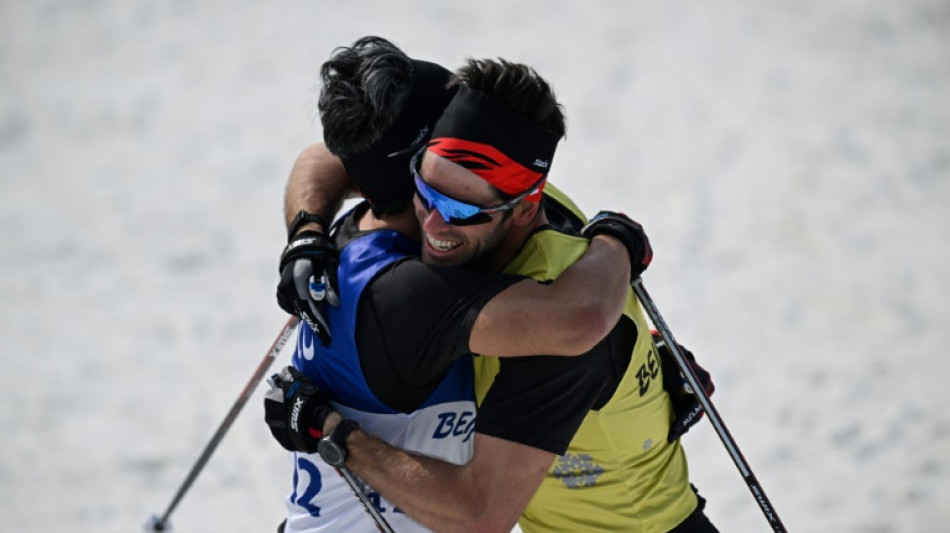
x,y
619,473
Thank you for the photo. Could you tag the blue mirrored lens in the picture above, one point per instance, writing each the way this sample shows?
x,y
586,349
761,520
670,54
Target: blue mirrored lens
x,y
449,208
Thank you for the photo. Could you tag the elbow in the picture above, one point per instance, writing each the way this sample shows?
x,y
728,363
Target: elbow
x,y
589,328
479,515
486,523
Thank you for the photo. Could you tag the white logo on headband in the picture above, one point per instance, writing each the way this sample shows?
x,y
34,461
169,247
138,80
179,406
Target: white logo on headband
x,y
539,163
423,133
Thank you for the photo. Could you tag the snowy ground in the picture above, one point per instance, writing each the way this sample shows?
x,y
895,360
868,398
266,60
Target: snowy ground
x,y
790,160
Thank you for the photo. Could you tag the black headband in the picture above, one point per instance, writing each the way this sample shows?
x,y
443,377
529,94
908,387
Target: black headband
x,y
382,171
475,117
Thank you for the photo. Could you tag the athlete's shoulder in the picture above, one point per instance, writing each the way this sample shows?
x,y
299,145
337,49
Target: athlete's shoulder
x,y
346,227
547,253
562,213
408,283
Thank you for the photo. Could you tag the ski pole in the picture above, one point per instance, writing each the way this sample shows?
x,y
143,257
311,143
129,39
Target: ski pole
x,y
764,504
381,524
157,523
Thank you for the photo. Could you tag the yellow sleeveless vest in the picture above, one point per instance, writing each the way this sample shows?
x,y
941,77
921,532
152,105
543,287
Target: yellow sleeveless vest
x,y
619,473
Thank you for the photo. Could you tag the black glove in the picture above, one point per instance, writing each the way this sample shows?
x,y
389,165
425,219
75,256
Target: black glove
x,y
687,410
308,280
628,232
295,410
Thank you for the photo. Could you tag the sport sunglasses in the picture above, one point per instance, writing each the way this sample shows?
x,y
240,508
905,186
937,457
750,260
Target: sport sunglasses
x,y
457,212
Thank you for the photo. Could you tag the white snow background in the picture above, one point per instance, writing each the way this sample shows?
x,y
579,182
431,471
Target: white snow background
x,y
789,159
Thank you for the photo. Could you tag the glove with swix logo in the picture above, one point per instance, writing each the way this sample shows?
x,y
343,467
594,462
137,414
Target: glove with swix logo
x,y
687,410
295,410
629,232
308,280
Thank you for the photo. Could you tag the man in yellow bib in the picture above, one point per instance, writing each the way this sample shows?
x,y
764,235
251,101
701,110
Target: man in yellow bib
x,y
560,444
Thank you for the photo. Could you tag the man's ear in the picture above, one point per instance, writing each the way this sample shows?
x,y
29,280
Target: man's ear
x,y
525,213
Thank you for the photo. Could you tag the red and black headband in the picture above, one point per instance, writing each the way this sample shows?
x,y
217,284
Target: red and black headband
x,y
491,140
382,171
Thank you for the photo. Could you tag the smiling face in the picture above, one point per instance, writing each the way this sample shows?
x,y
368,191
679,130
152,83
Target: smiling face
x,y
445,244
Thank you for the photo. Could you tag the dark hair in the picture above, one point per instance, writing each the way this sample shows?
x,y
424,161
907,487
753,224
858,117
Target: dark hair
x,y
365,87
516,85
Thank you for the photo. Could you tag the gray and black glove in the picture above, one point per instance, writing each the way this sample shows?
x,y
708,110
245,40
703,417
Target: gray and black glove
x,y
295,410
308,280
629,232
687,410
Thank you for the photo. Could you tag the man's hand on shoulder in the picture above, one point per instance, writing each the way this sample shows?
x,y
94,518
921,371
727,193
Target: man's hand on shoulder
x,y
308,278
627,231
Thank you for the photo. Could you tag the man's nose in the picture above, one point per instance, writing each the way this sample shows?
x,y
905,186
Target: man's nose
x,y
434,222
